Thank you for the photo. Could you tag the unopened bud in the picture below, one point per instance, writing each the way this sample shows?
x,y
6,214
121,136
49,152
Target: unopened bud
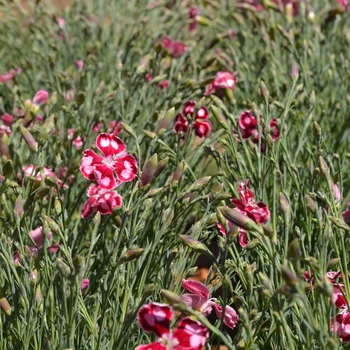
x,y
194,244
161,166
154,192
149,134
263,90
310,204
130,255
63,268
168,216
294,252
284,203
149,171
129,130
339,223
294,71
5,306
174,299
79,265
316,130
240,220
332,262
265,281
29,139
165,122
312,98
289,276
177,174
199,184
52,224
19,207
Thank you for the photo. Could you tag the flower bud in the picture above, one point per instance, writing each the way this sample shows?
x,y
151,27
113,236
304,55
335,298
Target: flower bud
x,y
339,223
29,139
177,174
289,276
199,184
149,134
174,299
310,204
332,262
165,122
240,220
19,207
40,98
294,71
130,255
5,306
263,90
168,216
316,130
63,268
85,284
149,171
284,203
193,244
294,252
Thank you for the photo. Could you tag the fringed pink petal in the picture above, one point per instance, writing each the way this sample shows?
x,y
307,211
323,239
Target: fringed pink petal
x,y
88,163
230,318
196,288
126,168
105,177
155,318
202,128
191,334
109,144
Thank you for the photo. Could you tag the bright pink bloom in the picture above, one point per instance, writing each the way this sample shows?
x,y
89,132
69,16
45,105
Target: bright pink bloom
x,y
248,126
199,300
223,80
193,13
79,64
40,98
115,159
85,283
7,119
181,124
77,143
164,84
341,326
174,48
201,127
101,200
156,318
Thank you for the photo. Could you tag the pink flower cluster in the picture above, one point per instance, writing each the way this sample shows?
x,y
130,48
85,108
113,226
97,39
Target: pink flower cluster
x,y
6,77
175,49
246,205
222,81
156,318
201,124
31,170
109,171
248,127
341,324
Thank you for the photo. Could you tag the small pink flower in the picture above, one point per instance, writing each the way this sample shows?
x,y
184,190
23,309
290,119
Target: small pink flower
x,y
199,300
201,125
115,159
174,48
148,77
30,170
223,80
97,126
79,64
156,318
189,107
77,143
101,200
193,13
337,194
275,132
37,236
85,283
164,84
6,77
61,22
248,126
40,98
5,129
7,119
115,127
